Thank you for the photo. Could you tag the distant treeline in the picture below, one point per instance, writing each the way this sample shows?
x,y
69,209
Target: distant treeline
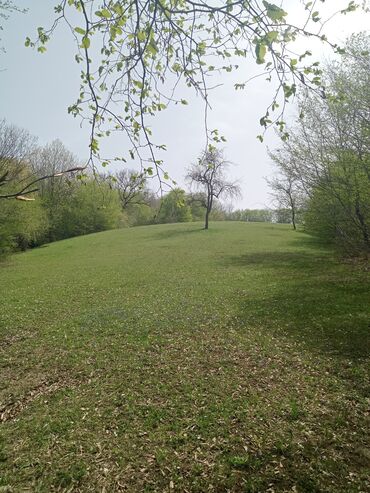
x,y
282,215
74,204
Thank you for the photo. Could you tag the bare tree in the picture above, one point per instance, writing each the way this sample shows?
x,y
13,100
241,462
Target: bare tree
x,y
285,192
18,178
208,176
131,187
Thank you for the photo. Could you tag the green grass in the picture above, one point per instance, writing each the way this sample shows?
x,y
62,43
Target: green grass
x,y
168,358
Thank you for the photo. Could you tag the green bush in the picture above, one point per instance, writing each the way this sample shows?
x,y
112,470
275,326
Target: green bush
x,y
91,207
174,208
339,208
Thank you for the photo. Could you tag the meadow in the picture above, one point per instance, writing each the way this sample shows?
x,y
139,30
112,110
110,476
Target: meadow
x,y
169,358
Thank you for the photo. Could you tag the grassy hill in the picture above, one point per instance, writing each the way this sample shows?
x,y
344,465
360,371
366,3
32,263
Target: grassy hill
x,y
168,358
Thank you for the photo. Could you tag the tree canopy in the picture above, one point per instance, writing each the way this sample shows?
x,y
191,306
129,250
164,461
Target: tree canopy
x,y
328,153
137,55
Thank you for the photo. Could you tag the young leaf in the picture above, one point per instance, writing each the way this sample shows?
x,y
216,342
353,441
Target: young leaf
x,y
85,42
79,30
261,50
274,12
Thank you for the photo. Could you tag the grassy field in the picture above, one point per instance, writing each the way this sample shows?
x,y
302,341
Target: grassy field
x,y
167,358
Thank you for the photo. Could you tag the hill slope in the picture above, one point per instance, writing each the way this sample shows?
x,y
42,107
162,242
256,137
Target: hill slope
x,y
169,358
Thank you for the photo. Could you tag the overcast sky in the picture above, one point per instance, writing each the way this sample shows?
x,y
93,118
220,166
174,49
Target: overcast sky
x,y
35,91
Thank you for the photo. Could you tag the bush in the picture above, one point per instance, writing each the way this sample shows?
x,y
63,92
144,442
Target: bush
x,y
174,208
91,207
21,225
339,208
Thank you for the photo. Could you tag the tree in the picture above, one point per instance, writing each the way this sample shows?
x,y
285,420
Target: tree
x,y
131,187
328,152
91,207
208,176
151,49
251,215
286,193
174,207
54,193
20,223
339,207
16,148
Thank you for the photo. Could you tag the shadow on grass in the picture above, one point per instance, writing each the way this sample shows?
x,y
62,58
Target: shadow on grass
x,y
311,297
279,260
173,233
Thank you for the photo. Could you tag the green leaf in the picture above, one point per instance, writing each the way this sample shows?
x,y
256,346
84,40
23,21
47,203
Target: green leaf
x,y
271,36
152,47
289,90
105,13
274,12
79,30
141,36
316,16
94,146
261,50
85,42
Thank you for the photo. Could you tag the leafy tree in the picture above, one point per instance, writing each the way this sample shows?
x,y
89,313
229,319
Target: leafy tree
x,y
174,207
20,223
54,193
149,49
339,206
328,152
208,176
92,206
142,214
195,202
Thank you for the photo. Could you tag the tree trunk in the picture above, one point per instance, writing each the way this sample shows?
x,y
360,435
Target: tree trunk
x,y
292,206
208,208
207,217
293,218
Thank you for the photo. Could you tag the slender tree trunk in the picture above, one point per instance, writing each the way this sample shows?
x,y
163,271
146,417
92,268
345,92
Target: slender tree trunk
x,y
209,208
292,206
207,217
293,218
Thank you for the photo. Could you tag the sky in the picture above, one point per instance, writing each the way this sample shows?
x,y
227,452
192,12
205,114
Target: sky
x,y
35,91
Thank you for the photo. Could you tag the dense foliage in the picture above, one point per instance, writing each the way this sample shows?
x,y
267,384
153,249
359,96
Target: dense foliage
x,y
60,207
327,156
